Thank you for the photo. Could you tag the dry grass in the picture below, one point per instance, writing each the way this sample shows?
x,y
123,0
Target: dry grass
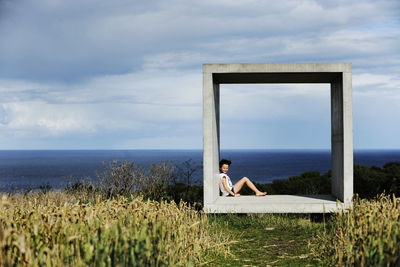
x,y
367,235
54,229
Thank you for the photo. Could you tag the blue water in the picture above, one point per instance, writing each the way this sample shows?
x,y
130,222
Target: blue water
x,y
33,168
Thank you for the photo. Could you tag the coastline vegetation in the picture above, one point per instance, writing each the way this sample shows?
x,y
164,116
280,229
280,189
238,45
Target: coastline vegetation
x,y
130,216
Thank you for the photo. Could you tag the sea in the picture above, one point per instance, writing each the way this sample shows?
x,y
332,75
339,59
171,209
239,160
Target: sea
x,y
32,169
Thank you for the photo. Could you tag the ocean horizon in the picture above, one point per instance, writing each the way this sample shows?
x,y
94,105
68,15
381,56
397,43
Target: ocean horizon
x,y
30,169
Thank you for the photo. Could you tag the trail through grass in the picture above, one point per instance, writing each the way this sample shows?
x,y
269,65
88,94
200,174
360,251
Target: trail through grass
x,y
267,240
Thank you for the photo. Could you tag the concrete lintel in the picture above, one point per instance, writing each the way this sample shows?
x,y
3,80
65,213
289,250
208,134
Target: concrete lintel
x,y
276,67
281,77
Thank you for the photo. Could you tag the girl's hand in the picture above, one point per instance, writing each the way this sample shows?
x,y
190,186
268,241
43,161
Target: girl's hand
x,y
237,195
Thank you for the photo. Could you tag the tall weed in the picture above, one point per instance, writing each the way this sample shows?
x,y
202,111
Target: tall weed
x,y
54,230
366,235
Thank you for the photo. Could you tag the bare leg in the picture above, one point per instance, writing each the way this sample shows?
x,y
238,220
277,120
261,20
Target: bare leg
x,y
238,186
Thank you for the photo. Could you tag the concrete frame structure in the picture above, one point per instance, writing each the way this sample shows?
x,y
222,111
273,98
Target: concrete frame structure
x,y
339,76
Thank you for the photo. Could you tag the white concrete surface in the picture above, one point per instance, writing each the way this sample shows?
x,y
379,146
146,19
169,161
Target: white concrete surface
x,y
276,204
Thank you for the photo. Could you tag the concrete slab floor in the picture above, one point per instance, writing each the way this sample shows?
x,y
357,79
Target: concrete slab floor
x,y
276,204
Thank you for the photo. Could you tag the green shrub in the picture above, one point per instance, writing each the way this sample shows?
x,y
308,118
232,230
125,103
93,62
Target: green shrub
x,y
189,194
392,170
372,181
308,183
369,181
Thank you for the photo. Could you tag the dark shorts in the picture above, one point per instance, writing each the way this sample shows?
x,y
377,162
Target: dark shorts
x,y
233,190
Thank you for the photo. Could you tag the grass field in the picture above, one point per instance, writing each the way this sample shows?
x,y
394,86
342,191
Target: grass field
x,y
56,228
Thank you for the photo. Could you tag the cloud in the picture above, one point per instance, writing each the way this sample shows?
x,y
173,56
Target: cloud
x,y
261,102
74,40
139,106
128,73
44,119
377,83
271,115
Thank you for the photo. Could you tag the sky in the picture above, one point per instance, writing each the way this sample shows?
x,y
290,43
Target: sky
x,y
127,74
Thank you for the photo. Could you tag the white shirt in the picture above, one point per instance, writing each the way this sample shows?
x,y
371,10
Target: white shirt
x,y
228,183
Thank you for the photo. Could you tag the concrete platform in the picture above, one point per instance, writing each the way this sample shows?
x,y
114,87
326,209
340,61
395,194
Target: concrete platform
x,y
276,204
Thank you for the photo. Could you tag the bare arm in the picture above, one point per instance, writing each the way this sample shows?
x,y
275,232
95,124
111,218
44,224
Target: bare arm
x,y
226,186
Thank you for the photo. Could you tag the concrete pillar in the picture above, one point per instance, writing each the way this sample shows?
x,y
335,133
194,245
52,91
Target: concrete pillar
x,y
211,143
342,137
348,159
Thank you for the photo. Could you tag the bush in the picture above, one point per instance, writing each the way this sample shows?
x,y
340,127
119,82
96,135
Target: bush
x,y
124,179
369,181
120,179
372,181
45,188
186,171
189,194
392,170
308,183
154,186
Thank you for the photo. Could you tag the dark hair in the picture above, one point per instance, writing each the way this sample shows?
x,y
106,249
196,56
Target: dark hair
x,y
224,161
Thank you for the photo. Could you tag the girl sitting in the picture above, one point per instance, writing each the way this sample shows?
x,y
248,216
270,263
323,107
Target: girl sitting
x,y
225,184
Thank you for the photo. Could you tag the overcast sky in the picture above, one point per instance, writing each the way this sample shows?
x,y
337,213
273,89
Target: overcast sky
x,y
124,74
